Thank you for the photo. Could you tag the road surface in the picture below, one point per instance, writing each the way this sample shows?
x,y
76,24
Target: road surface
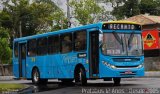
x,y
128,85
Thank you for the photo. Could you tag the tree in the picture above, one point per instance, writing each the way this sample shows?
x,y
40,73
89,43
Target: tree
x,y
50,16
150,6
60,21
126,8
6,53
28,17
86,11
16,11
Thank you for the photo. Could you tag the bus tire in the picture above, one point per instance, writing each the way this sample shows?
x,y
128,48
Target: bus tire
x,y
117,81
80,77
35,76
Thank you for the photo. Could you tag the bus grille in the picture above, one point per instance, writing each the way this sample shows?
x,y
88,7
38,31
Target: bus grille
x,y
126,66
126,59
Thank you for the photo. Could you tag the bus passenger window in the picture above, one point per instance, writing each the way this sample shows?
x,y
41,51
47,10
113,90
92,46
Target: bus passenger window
x,y
16,49
66,43
80,40
53,44
32,47
42,46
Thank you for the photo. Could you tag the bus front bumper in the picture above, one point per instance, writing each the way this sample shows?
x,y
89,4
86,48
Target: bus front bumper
x,y
122,73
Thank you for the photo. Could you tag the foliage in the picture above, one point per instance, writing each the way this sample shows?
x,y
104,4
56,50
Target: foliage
x,y
150,6
60,21
7,87
86,11
129,8
5,56
16,11
28,17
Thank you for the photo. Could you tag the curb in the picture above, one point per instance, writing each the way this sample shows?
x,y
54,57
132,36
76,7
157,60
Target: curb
x,y
6,78
27,90
152,74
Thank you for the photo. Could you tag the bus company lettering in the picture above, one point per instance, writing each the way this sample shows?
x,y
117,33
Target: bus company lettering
x,y
121,26
71,59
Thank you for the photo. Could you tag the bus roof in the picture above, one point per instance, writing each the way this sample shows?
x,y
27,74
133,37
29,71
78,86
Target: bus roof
x,y
69,30
59,32
128,22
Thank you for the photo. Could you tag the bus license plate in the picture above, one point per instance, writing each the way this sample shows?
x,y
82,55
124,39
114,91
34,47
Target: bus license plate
x,y
128,72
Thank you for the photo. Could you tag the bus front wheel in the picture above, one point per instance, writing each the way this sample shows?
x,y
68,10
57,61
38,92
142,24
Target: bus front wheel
x,y
36,77
117,81
80,77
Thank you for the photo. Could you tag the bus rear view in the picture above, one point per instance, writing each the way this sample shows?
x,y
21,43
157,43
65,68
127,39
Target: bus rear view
x,y
121,53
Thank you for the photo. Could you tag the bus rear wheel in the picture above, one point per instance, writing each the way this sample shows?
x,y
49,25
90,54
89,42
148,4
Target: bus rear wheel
x,y
80,77
117,81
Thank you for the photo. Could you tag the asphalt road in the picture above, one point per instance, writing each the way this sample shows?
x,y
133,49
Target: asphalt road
x,y
128,85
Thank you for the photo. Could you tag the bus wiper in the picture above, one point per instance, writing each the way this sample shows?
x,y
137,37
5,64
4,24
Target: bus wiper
x,y
118,39
130,38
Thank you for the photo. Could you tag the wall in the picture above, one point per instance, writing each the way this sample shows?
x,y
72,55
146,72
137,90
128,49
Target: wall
x,y
8,70
152,63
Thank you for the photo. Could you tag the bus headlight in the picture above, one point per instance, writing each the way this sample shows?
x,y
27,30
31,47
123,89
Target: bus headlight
x,y
113,67
109,65
140,66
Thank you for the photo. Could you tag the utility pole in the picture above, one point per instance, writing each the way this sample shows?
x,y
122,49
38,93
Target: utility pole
x,y
68,13
20,28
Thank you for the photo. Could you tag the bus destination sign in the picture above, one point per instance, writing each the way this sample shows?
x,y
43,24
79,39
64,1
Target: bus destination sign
x,y
121,26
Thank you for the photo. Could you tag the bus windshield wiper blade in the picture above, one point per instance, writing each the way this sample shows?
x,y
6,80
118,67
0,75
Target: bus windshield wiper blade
x,y
118,39
130,38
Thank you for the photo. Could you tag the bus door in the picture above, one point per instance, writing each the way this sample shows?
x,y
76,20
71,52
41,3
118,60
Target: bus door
x,y
22,59
94,54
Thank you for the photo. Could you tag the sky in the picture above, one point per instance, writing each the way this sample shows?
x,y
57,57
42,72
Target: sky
x,y
63,5
1,5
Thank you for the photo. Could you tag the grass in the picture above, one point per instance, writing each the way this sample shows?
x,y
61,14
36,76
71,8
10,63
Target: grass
x,y
6,87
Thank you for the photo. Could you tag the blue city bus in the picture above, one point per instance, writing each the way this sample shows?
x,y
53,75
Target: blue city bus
x,y
104,50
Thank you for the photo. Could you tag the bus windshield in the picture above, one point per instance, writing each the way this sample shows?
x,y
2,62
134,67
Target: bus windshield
x,y
122,44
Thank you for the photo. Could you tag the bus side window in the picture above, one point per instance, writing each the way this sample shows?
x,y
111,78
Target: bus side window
x,y
42,46
53,44
66,43
32,47
80,40
16,49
